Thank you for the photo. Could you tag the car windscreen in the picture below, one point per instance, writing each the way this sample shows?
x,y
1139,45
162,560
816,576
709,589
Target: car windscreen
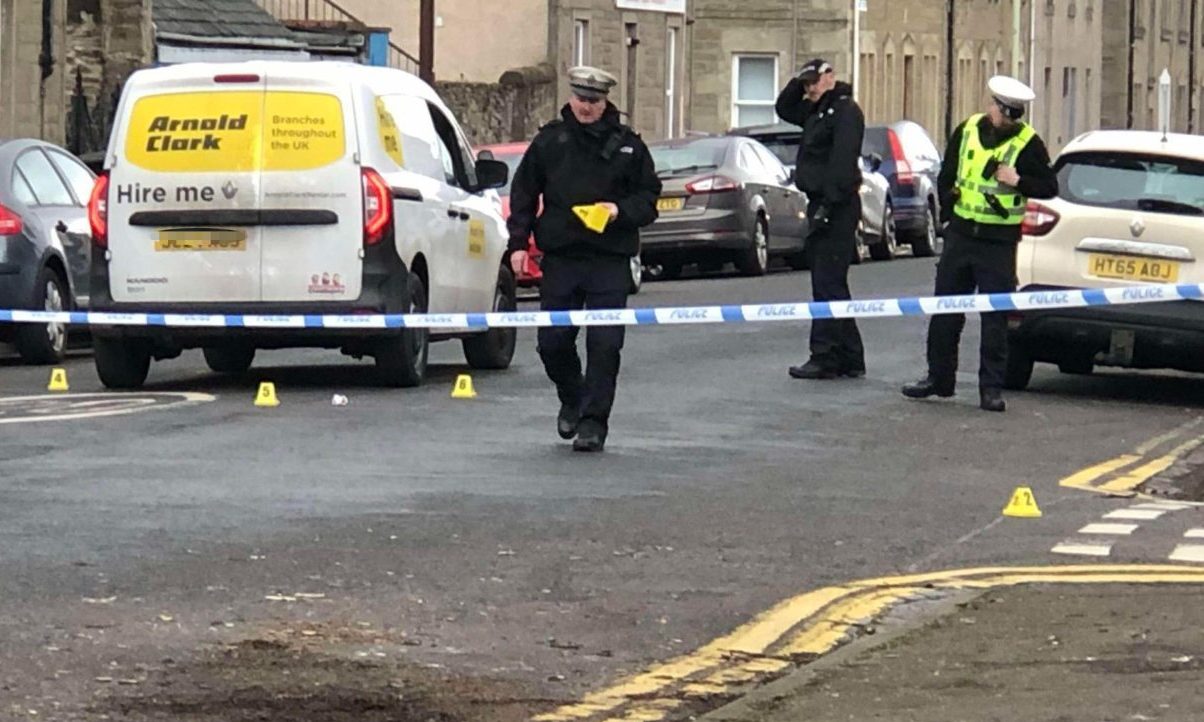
x,y
876,140
687,158
1152,183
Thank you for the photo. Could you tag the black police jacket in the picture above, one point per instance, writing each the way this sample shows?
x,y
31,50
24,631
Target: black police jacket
x,y
828,169
571,164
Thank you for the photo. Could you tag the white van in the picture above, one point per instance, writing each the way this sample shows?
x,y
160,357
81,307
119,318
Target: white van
x,y
290,188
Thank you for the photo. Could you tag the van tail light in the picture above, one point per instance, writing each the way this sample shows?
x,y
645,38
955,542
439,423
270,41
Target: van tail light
x,y
1039,220
98,211
378,207
10,223
712,184
903,171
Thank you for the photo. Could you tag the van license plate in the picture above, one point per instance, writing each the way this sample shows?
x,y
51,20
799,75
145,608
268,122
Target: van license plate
x,y
670,204
1127,268
201,239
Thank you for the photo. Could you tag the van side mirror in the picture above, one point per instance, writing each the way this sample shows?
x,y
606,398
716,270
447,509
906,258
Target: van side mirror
x,y
874,161
491,174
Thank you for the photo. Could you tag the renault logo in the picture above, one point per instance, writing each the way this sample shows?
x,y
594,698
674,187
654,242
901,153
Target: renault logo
x,y
1137,227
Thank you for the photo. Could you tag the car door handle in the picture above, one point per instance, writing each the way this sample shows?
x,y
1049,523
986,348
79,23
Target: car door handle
x,y
456,213
60,227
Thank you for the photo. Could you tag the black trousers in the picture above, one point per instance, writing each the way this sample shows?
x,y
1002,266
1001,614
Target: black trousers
x,y
968,264
835,343
572,284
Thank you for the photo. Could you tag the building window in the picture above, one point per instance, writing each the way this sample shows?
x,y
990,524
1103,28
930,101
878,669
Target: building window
x,y
754,89
581,42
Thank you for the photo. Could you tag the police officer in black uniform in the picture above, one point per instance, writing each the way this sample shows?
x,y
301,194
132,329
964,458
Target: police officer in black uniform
x,y
828,172
994,163
586,158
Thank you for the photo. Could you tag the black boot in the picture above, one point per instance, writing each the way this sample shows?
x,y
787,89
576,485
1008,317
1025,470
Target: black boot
x,y
591,436
992,400
928,386
567,421
813,370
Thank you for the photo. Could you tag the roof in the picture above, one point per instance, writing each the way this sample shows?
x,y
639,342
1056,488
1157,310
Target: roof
x,y
1138,141
212,21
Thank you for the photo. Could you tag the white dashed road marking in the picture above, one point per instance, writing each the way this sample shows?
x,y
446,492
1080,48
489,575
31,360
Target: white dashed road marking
x,y
1086,550
1136,514
1194,534
1188,553
1112,529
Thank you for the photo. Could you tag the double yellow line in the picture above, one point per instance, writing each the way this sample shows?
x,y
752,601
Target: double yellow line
x,y
807,626
1123,474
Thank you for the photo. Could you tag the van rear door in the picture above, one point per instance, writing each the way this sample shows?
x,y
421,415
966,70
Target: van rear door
x,y
184,192
311,191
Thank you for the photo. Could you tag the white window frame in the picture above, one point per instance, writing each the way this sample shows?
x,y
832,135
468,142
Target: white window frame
x,y
581,49
736,102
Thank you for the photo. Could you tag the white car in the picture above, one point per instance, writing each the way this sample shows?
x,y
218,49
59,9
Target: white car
x,y
1130,211
287,188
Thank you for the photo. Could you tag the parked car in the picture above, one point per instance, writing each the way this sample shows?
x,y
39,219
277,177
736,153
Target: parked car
x,y
911,163
45,243
877,229
281,188
1130,211
725,198
511,154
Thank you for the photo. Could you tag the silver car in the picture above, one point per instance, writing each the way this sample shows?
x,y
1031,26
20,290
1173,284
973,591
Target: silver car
x,y
45,241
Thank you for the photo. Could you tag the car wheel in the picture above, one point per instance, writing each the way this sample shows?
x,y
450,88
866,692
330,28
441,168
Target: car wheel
x,y
1019,369
1077,367
230,360
637,275
494,349
121,363
401,360
888,246
45,343
670,271
755,261
859,251
928,243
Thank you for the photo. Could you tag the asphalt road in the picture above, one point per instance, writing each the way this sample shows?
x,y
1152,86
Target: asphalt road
x,y
411,556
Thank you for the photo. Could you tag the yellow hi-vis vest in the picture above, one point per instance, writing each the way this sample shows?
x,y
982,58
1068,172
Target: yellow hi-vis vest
x,y
973,203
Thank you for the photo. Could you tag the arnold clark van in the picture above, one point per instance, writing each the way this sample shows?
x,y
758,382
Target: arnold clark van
x,y
287,189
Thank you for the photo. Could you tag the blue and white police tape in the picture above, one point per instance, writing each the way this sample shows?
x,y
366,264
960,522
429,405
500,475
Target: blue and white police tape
x,y
664,316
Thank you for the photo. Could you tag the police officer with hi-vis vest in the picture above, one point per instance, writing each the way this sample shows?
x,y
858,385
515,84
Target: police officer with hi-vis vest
x,y
994,163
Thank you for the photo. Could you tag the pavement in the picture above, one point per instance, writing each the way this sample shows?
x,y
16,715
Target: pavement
x,y
1041,654
181,554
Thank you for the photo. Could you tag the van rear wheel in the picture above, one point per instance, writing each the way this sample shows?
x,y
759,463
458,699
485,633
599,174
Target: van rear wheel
x,y
231,360
401,360
494,349
121,363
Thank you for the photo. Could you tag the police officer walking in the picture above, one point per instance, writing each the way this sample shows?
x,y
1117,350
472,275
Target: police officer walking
x,y
994,164
828,172
584,159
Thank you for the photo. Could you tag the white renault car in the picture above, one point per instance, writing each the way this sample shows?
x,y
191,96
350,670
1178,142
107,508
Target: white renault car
x,y
1130,211
288,189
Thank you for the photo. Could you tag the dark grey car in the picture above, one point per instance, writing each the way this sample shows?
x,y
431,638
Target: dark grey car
x,y
725,199
45,241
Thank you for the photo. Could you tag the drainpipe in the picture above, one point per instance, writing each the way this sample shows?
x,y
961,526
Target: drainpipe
x,y
949,55
1191,72
1129,80
856,64
45,61
1016,31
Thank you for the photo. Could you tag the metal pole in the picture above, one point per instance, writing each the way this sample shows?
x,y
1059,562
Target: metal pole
x,y
1016,30
949,56
426,41
1191,72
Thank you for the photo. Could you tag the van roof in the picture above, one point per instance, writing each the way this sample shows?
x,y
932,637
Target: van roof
x,y
381,81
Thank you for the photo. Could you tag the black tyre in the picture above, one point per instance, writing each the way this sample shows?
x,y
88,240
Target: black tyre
x,y
121,363
888,246
1019,370
755,261
45,343
859,251
1077,367
401,360
494,349
927,243
670,271
231,360
637,275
